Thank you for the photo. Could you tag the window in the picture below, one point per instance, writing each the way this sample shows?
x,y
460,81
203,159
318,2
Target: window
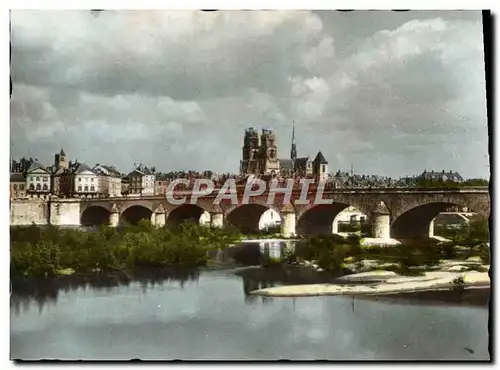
x,y
38,187
79,179
91,179
15,187
21,187
32,187
37,178
92,188
323,168
80,188
86,188
45,179
45,187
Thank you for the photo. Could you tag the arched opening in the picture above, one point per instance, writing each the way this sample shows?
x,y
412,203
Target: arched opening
x,y
270,221
416,222
351,220
134,214
95,216
318,220
185,213
250,218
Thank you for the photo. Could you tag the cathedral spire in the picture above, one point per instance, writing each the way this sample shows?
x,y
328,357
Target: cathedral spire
x,y
293,151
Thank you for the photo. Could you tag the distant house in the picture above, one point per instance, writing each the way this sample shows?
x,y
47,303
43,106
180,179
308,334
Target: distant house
x,y
37,181
161,187
441,176
80,181
303,167
142,181
124,185
17,186
109,180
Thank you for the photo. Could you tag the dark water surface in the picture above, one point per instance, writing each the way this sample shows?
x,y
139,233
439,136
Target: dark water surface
x,y
210,316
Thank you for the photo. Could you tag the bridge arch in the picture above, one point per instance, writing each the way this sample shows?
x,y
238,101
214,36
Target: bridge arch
x,y
185,213
135,213
415,223
318,219
95,216
247,217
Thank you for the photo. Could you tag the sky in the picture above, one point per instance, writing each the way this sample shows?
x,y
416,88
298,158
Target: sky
x,y
390,93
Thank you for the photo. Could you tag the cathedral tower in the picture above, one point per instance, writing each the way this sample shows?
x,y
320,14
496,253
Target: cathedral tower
x,y
250,158
269,162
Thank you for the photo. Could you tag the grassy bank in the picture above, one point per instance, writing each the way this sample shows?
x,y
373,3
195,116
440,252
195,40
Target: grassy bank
x,y
51,251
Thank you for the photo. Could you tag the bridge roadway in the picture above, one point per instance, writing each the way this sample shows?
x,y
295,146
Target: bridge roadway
x,y
392,212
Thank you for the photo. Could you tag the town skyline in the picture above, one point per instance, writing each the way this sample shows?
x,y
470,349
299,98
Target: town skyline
x,y
389,93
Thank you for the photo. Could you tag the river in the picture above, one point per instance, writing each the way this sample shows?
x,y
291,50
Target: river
x,y
208,315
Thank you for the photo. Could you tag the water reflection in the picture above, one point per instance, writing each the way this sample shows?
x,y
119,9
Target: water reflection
x,y
254,271
44,292
209,314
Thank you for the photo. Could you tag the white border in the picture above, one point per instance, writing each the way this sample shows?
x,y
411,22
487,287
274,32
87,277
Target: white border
x,y
186,4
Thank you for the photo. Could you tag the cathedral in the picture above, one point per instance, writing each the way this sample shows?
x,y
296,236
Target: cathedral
x,y
259,153
260,157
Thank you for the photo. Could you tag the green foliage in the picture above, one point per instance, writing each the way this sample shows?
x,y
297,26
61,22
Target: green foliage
x,y
479,230
475,233
43,252
329,251
423,183
475,182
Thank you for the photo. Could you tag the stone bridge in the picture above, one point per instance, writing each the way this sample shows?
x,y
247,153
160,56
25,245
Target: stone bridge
x,y
397,213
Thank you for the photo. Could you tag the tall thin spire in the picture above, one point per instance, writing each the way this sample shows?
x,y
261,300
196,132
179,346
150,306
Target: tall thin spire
x,y
293,151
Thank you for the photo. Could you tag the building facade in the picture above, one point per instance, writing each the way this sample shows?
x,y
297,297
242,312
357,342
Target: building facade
x,y
161,187
141,181
86,182
17,186
303,167
109,180
38,181
79,181
60,166
441,176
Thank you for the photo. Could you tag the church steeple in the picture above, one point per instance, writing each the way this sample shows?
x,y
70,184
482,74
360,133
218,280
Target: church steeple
x,y
293,151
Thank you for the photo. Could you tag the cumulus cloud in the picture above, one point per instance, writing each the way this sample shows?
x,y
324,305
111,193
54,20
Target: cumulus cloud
x,y
396,95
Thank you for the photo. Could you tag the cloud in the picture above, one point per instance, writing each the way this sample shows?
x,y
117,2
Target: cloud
x,y
391,93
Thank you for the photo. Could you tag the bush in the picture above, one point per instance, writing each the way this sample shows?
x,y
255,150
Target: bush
x,y
44,251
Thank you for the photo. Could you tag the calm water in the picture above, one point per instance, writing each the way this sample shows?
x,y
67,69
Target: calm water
x,y
209,316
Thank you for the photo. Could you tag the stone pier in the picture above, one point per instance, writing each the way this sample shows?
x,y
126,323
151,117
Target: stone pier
x,y
114,217
288,224
216,220
160,216
381,222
